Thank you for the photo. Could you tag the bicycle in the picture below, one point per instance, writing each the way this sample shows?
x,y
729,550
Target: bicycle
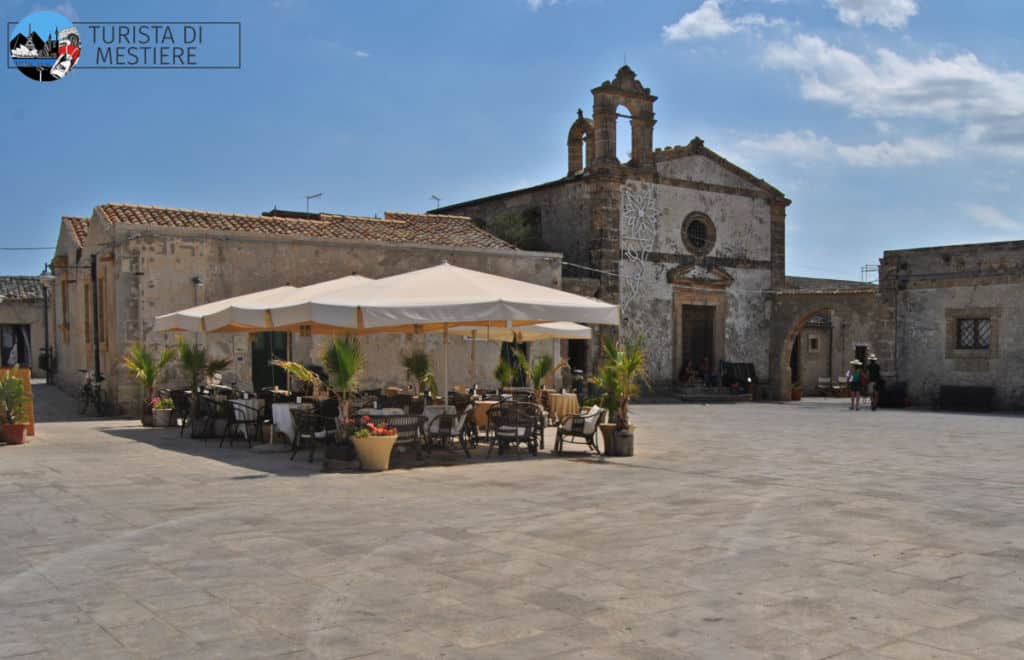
x,y
92,394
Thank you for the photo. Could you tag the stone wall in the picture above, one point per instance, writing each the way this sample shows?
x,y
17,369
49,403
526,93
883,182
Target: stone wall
x,y
151,273
930,289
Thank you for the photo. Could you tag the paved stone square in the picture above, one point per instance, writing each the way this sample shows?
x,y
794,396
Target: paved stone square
x,y
739,531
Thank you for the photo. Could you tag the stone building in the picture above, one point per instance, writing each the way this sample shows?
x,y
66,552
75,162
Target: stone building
x,y
151,261
21,322
958,318
687,242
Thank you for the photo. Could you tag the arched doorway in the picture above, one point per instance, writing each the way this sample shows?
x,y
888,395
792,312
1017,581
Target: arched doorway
x,y
804,352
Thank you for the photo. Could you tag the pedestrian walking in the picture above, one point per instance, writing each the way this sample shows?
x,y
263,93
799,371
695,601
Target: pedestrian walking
x,y
875,381
855,382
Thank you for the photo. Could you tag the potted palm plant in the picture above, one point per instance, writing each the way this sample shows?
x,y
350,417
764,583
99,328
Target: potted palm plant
x,y
13,416
417,369
199,366
344,363
620,375
146,369
504,373
539,370
303,375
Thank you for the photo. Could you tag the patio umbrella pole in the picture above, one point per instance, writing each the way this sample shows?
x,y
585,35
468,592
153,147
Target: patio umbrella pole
x,y
444,394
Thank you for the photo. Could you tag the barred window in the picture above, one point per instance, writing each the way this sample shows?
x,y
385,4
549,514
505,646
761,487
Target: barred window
x,y
974,333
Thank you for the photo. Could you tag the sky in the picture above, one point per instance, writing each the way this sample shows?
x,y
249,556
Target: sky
x,y
890,124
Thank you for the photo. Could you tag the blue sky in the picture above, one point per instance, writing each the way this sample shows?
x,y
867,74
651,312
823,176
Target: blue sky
x,y
889,123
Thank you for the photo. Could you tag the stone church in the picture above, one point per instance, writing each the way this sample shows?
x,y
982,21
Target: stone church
x,y
688,243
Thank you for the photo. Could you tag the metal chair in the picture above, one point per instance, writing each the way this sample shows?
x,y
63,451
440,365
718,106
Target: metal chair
x,y
308,426
243,417
583,426
182,411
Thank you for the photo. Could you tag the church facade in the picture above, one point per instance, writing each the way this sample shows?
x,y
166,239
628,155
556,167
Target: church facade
x,y
688,243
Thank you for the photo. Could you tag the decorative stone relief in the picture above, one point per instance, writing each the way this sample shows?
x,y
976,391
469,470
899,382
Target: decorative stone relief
x,y
639,227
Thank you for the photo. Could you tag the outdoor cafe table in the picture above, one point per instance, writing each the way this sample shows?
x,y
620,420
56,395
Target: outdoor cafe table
x,y
480,409
246,410
562,405
281,413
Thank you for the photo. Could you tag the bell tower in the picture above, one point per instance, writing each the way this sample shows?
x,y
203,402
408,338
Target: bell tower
x,y
624,91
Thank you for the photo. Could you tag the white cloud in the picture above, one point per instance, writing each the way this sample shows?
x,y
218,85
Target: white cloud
x,y
708,22
537,5
66,9
801,146
360,53
891,14
986,104
992,218
909,151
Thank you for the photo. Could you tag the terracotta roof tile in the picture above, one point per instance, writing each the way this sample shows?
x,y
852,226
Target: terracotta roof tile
x,y
20,288
409,228
79,228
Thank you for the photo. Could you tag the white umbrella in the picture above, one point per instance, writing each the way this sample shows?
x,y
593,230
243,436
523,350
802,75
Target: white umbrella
x,y
258,312
195,319
436,299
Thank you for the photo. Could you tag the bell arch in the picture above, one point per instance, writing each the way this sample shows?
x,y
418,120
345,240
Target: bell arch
x,y
625,90
580,140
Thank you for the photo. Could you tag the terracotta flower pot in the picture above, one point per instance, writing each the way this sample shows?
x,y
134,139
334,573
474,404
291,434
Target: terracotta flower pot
x,y
375,451
14,434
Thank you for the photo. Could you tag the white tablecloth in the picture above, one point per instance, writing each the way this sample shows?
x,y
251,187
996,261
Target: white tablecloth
x,y
282,415
246,410
379,412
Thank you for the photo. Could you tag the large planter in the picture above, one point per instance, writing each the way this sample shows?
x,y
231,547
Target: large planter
x,y
797,394
162,417
608,436
13,434
147,416
619,442
374,451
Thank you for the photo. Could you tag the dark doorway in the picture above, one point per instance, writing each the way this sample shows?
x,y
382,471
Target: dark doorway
x,y
794,361
698,334
15,346
267,346
578,354
861,353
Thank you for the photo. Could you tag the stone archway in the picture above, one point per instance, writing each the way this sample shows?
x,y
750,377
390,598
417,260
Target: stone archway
x,y
858,315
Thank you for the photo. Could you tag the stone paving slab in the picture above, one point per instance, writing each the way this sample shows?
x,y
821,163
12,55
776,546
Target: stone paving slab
x,y
738,531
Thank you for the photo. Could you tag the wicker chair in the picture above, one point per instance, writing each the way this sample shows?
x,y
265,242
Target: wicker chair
x,y
512,425
582,426
446,429
182,412
409,428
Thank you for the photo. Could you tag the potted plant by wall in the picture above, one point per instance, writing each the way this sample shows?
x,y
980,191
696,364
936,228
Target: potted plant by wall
x,y
417,369
374,443
624,368
199,366
146,369
13,415
162,407
797,391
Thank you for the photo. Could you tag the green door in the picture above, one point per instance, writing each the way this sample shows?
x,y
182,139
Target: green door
x,y
267,346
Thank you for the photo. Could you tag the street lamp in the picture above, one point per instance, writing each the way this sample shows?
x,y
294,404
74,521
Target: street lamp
x,y
46,279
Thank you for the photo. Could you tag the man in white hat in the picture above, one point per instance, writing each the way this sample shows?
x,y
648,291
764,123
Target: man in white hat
x,y
874,380
855,381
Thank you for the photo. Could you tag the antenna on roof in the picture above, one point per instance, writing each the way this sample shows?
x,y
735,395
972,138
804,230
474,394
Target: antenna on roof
x,y
309,197
437,200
